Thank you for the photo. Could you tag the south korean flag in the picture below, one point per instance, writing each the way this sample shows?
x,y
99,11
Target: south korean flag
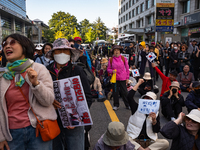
x,y
151,56
135,73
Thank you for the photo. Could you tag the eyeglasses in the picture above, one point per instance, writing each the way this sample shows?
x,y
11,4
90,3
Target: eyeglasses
x,y
11,43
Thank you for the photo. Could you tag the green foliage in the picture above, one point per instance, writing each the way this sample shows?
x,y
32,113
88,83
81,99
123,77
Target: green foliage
x,y
64,25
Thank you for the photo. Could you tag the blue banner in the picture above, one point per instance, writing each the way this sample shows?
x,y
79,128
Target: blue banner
x,y
164,28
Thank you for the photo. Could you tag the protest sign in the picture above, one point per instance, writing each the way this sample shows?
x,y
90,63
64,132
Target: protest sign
x,y
135,73
151,56
74,110
126,55
146,106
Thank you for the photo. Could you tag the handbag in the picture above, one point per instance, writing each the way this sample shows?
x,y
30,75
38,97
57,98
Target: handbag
x,y
94,92
48,129
143,142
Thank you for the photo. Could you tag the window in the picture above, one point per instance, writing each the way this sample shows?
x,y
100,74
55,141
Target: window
x,y
18,26
119,21
147,4
133,2
126,5
123,18
126,17
124,9
133,13
142,7
149,20
130,25
124,27
137,0
6,23
129,3
130,15
137,10
142,22
153,2
121,10
138,23
120,30
186,7
198,4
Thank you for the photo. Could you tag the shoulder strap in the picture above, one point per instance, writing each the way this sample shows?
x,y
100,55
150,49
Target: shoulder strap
x,y
41,60
111,60
30,107
123,59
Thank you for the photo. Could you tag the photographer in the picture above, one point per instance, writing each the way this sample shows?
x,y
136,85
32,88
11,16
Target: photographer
x,y
172,102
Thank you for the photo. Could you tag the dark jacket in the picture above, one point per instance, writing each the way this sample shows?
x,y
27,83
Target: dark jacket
x,y
192,101
173,56
143,64
185,61
70,71
173,100
196,61
181,139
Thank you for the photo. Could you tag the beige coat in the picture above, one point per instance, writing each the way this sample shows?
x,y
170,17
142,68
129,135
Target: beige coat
x,y
97,85
41,98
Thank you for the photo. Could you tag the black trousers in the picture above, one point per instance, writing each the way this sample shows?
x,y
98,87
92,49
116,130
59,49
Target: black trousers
x,y
171,110
120,86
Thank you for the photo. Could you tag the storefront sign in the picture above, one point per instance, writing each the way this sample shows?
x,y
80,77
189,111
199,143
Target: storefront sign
x,y
194,30
191,19
74,110
164,15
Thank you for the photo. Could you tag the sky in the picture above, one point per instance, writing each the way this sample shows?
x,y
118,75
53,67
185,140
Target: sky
x,y
107,10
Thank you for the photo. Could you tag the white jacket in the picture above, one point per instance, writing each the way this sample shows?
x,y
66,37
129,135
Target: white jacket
x,y
135,125
41,99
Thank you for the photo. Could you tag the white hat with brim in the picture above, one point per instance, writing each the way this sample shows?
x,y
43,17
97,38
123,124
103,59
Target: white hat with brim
x,y
175,84
115,135
194,115
147,76
62,43
39,47
151,95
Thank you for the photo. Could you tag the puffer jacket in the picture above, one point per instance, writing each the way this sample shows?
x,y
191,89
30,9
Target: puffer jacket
x,y
181,139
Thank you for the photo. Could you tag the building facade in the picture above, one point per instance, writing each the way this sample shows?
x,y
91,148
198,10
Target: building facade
x,y
13,18
137,17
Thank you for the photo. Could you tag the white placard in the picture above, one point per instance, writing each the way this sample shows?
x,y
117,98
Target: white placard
x,y
147,106
135,73
151,56
126,55
74,109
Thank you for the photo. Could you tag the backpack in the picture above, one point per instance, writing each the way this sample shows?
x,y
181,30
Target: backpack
x,y
111,60
87,70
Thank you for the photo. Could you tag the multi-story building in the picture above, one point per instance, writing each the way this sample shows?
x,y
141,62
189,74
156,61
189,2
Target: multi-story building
x,y
137,17
13,18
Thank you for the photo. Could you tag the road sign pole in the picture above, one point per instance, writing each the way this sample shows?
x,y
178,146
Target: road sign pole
x,y
156,37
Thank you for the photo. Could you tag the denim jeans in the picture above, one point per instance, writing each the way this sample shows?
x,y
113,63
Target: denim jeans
x,y
25,139
101,96
70,139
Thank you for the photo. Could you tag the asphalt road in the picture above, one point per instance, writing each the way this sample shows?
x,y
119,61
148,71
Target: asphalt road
x,y
101,118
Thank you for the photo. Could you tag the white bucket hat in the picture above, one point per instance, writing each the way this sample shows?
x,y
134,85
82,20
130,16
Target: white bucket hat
x,y
115,134
150,94
39,47
194,115
147,76
175,84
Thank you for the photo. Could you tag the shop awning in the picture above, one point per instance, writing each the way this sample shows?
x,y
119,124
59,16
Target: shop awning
x,y
134,31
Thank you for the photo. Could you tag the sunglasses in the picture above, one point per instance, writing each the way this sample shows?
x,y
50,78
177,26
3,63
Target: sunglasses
x,y
11,43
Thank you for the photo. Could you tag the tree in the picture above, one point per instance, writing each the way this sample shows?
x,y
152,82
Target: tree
x,y
48,34
63,22
84,26
99,29
89,36
59,34
76,33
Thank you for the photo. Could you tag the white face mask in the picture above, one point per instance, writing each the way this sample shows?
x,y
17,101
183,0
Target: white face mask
x,y
175,47
61,58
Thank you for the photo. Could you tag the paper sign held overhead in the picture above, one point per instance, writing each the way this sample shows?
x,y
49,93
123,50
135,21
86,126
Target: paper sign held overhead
x,y
147,106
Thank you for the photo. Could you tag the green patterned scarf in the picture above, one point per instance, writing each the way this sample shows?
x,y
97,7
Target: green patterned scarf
x,y
15,69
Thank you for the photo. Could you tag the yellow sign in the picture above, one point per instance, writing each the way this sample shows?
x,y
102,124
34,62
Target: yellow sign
x,y
161,22
165,5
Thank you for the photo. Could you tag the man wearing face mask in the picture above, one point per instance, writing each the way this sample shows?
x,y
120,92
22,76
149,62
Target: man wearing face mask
x,y
174,63
172,102
193,99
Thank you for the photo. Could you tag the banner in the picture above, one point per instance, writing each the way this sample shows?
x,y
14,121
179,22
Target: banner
x,y
147,106
151,56
135,73
74,109
126,55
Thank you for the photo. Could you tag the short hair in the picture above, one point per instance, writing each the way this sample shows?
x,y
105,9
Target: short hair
x,y
27,46
71,40
184,45
45,46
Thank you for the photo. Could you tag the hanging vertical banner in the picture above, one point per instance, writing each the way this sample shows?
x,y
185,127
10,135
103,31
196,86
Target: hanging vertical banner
x,y
164,15
74,110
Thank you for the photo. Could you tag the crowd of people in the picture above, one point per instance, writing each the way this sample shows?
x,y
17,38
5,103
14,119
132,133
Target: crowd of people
x,y
29,72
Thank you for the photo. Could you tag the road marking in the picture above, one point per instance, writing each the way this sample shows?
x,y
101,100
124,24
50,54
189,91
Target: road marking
x,y
111,112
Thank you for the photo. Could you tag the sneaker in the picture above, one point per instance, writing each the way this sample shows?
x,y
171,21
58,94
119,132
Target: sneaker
x,y
115,108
